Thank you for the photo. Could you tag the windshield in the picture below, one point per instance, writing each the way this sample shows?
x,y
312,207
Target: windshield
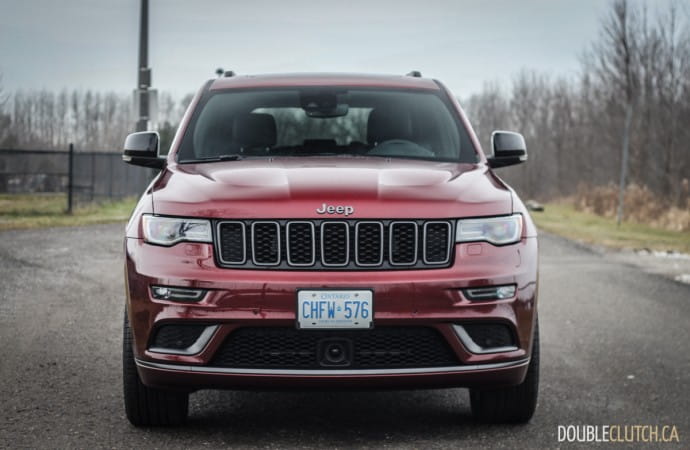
x,y
336,121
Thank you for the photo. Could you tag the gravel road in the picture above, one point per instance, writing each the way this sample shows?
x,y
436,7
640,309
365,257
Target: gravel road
x,y
615,350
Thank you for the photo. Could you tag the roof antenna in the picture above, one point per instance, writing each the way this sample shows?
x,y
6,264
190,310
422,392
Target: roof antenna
x,y
229,73
414,73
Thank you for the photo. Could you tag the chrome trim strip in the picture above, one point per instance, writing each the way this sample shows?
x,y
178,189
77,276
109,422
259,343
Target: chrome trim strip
x,y
313,243
487,292
347,244
193,349
181,294
244,242
226,370
357,244
277,225
390,243
448,245
482,293
473,347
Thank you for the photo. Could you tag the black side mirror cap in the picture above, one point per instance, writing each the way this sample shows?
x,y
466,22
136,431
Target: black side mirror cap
x,y
508,149
142,148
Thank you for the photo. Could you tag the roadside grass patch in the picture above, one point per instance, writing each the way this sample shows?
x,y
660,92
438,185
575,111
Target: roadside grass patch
x,y
641,205
20,211
563,219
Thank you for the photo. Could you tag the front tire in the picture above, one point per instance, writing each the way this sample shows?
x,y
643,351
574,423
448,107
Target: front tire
x,y
515,404
147,406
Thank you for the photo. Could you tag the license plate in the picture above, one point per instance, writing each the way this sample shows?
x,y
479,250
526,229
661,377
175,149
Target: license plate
x,y
335,309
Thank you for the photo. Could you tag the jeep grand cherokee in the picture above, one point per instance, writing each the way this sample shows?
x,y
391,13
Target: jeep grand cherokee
x,y
328,231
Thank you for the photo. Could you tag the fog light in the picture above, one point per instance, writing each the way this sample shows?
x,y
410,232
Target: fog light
x,y
177,294
490,293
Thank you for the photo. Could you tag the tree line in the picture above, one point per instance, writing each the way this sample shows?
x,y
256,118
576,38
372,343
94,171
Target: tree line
x,y
91,120
633,87
633,83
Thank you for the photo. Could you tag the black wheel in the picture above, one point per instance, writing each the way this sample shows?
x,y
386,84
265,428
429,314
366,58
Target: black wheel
x,y
515,404
147,406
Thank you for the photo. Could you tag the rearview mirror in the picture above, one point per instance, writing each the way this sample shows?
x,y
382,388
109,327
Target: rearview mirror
x,y
141,149
508,149
323,104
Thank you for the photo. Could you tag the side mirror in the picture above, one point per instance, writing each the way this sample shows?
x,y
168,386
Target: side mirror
x,y
141,149
508,149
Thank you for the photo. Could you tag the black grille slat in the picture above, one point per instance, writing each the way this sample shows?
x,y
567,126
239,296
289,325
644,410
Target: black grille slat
x,y
266,243
335,243
300,243
316,244
404,242
232,242
436,242
379,348
369,246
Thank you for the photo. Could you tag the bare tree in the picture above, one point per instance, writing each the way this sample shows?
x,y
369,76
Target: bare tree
x,y
622,120
617,63
4,97
6,137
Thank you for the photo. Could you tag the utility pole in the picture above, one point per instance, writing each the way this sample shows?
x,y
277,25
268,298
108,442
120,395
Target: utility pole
x,y
144,75
624,162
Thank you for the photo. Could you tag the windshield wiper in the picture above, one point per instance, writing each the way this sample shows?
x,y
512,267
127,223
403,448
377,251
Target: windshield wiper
x,y
232,157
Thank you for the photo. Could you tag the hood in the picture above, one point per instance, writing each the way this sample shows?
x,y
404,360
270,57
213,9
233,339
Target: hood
x,y
296,187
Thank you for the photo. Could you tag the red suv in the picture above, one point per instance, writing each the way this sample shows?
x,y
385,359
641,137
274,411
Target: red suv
x,y
329,231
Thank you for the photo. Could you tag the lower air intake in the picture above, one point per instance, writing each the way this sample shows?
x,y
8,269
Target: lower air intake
x,y
289,348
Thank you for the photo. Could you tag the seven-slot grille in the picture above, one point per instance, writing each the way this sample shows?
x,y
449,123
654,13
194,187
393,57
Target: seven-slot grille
x,y
334,244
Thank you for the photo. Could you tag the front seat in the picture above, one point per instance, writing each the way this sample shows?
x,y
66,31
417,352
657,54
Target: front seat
x,y
387,123
254,133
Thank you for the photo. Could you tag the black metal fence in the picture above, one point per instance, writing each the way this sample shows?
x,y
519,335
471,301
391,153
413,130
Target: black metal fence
x,y
86,176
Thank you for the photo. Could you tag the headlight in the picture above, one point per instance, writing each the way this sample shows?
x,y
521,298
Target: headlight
x,y
171,230
496,230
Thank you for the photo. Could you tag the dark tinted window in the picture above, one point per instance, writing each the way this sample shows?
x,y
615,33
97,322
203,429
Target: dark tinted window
x,y
326,121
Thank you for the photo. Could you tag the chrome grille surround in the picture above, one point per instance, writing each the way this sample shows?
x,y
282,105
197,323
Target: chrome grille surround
x,y
244,242
263,243
288,240
425,234
326,248
392,247
357,241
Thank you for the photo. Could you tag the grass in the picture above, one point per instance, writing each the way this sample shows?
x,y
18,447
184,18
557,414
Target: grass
x,y
564,220
19,211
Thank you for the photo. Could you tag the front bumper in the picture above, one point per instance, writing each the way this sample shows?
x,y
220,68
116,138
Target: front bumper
x,y
188,377
266,298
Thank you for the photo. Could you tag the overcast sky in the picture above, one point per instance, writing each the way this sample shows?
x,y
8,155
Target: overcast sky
x,y
92,44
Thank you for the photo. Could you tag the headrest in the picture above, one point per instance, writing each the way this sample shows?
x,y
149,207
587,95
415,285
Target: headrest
x,y
255,130
387,123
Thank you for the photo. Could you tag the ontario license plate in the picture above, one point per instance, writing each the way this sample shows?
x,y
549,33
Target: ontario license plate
x,y
335,309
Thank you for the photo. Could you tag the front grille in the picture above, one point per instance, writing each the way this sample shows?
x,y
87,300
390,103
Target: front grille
x,y
177,337
334,244
290,348
232,249
435,235
403,243
369,243
266,243
301,250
